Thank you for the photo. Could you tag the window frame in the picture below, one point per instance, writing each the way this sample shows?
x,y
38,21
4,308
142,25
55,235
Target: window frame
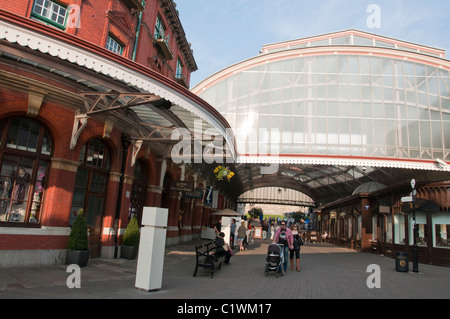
x,y
40,17
34,185
115,42
179,69
159,24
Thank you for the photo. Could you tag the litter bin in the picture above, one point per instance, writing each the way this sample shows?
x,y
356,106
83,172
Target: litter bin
x,y
401,262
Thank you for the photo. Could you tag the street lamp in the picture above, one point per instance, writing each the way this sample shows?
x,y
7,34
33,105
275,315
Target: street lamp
x,y
415,257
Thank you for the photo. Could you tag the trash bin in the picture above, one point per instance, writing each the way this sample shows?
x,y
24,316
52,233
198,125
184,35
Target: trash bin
x,y
401,262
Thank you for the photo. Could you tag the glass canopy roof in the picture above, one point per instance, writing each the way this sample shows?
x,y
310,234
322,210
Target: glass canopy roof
x,y
331,118
323,108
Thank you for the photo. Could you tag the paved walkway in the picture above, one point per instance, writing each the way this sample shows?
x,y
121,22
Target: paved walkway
x,y
326,272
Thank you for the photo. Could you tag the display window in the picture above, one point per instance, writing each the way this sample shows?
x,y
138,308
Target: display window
x,y
441,229
386,228
399,229
25,149
422,229
375,228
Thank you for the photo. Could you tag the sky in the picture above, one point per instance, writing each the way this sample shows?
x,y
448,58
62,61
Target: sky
x,y
225,32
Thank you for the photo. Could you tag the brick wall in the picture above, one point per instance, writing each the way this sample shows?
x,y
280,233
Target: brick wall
x,y
100,18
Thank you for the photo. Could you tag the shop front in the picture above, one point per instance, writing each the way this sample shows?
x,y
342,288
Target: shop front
x,y
388,227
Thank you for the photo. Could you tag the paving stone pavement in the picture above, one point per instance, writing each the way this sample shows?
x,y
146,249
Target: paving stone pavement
x,y
326,272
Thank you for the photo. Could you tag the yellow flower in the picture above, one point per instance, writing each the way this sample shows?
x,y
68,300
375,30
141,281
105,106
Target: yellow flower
x,y
220,172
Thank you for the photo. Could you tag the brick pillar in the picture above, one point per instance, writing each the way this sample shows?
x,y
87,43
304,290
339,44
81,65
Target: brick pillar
x,y
109,234
197,217
205,216
59,193
172,222
154,196
186,231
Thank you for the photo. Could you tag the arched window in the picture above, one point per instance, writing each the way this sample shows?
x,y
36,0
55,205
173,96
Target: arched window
x,y
90,189
25,150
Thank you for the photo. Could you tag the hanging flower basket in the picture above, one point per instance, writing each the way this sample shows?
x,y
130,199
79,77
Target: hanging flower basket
x,y
222,172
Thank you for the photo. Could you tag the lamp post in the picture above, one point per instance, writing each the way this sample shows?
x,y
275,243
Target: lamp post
x,y
415,257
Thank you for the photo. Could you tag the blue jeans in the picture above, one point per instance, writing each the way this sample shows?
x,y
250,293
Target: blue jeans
x,y
286,257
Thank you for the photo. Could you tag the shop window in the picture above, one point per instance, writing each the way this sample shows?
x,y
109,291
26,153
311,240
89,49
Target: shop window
x,y
25,149
350,227
345,231
359,227
386,228
375,228
49,12
441,228
399,229
422,230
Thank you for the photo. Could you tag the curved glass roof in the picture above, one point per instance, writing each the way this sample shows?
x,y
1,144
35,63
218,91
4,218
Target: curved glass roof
x,y
353,38
382,103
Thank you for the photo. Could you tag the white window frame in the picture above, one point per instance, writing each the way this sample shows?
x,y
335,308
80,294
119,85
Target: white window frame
x,y
113,45
45,10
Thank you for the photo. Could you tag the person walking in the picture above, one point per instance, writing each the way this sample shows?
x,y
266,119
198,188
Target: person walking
x,y
298,241
232,231
272,231
283,235
241,232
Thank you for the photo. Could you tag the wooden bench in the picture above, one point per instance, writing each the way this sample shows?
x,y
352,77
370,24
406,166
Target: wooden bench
x,y
206,257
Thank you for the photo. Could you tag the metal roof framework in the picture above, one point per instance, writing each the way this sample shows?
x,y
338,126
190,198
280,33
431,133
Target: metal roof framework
x,y
149,105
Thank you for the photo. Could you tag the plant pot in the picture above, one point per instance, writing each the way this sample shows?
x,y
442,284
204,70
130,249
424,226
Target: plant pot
x,y
129,252
78,257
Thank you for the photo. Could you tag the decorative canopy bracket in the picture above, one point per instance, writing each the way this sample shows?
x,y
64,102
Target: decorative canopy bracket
x,y
99,102
136,148
79,124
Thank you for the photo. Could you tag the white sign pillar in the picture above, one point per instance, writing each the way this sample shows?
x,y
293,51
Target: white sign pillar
x,y
151,249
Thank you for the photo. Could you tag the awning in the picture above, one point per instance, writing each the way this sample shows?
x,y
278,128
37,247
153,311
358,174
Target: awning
x,y
154,104
421,205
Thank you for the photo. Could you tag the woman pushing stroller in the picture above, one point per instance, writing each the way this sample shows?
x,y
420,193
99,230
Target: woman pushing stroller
x,y
284,236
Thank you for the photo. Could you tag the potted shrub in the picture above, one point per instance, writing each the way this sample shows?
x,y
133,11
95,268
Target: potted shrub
x,y
131,240
78,251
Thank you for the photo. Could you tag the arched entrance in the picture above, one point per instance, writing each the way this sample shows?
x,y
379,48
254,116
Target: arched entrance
x,y
91,189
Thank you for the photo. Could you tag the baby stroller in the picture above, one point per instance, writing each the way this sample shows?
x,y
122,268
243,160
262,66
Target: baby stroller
x,y
275,259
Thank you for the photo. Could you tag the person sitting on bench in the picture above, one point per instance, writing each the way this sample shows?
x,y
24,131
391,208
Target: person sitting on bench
x,y
222,248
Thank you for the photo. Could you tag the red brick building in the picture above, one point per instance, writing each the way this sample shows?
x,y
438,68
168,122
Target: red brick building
x,y
89,95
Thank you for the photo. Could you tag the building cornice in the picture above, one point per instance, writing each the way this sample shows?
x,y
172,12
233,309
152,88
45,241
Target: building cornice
x,y
169,9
